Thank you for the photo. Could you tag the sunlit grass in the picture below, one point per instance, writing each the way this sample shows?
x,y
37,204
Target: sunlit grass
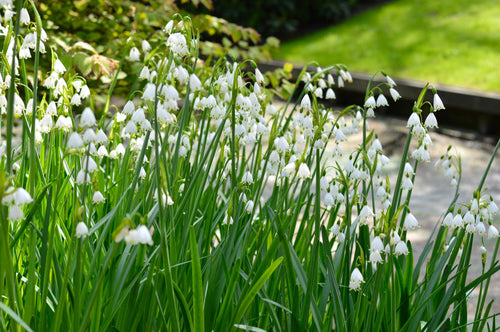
x,y
453,42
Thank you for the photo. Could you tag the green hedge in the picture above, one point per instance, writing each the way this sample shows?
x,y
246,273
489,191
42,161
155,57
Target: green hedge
x,y
283,18
287,18
94,35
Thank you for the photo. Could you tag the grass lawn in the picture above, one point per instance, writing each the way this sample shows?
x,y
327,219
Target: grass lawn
x,y
453,42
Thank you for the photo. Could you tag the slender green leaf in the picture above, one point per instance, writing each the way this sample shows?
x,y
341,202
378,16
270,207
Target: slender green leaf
x,y
198,303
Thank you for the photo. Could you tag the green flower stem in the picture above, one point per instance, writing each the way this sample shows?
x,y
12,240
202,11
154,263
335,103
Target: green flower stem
x,y
77,286
484,293
313,268
46,257
407,201
7,264
56,324
232,110
110,93
397,189
10,93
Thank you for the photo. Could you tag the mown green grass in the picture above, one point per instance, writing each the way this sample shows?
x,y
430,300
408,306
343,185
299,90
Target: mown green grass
x,y
453,42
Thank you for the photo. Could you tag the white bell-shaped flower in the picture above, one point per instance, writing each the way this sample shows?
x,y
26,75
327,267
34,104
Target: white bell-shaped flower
x,y
365,215
74,141
413,120
330,94
21,197
448,219
177,44
24,17
438,103
303,171
88,135
431,121
247,178
370,102
394,94
149,92
356,280
97,197
134,54
382,101
377,244
410,222
129,108
401,249
305,104
82,230
15,213
59,67
249,206
88,118
259,78
492,232
375,257
194,83
146,47
140,235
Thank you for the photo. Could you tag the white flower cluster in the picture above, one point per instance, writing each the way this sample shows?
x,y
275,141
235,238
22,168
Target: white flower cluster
x,y
474,217
356,171
64,99
446,164
30,39
177,43
139,235
321,85
408,173
371,103
420,131
395,245
16,199
6,3
28,35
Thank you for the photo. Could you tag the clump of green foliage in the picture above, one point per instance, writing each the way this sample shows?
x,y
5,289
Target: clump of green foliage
x,y
95,35
202,206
